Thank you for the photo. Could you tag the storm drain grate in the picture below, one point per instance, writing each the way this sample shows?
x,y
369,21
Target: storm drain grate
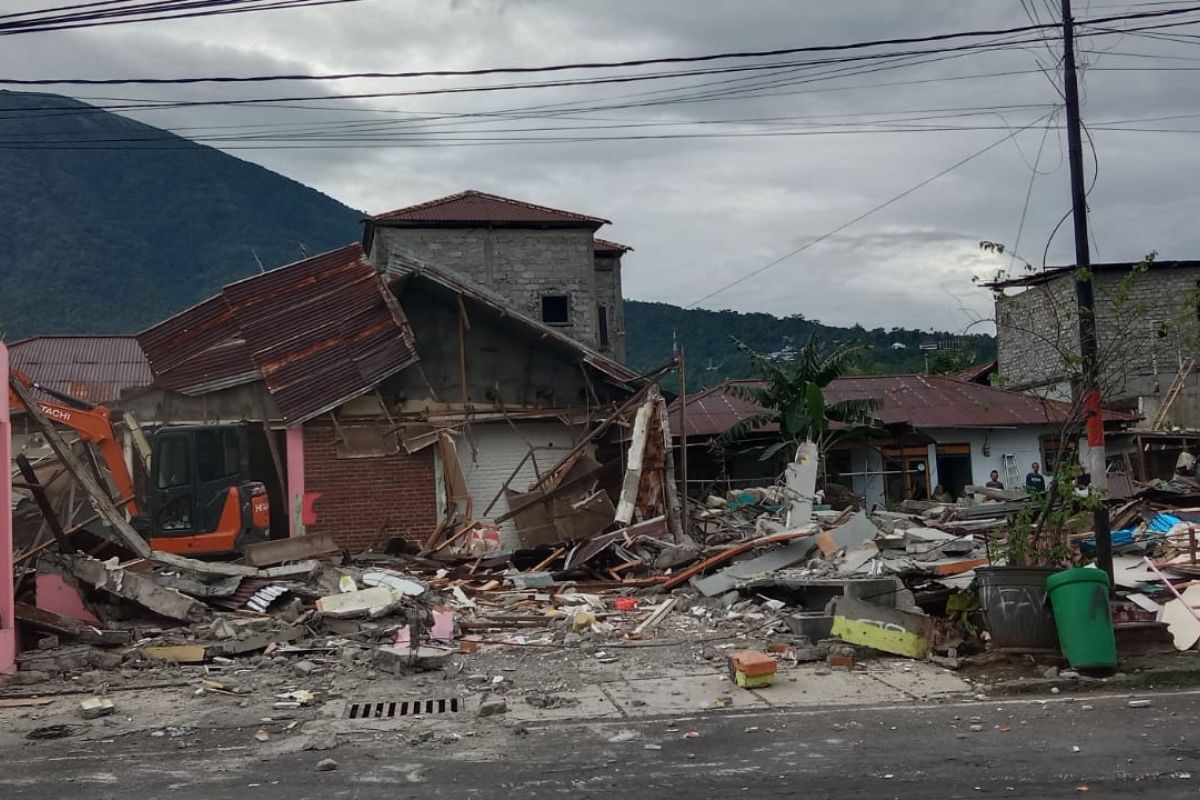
x,y
403,708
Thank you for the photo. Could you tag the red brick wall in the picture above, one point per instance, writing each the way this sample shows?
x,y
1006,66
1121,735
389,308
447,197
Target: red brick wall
x,y
366,501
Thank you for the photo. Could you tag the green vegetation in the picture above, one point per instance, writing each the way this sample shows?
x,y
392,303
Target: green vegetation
x,y
712,355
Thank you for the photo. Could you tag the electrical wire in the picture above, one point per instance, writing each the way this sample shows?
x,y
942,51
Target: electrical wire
x,y
873,210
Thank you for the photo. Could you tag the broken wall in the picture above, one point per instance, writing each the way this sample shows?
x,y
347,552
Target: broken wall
x,y
364,501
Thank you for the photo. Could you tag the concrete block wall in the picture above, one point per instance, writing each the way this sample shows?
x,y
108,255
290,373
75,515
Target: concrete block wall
x,y
364,502
1145,326
520,264
608,293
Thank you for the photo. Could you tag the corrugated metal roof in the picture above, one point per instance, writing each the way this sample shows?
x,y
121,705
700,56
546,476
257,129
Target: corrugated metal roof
x,y
92,368
481,208
920,401
1050,273
610,247
318,332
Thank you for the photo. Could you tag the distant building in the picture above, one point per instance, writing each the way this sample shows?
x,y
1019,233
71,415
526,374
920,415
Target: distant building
x,y
546,263
1148,326
935,430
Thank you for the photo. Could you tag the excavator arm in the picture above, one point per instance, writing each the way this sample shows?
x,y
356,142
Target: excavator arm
x,y
92,424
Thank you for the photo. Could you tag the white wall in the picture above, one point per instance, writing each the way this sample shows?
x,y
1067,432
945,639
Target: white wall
x,y
497,451
1022,442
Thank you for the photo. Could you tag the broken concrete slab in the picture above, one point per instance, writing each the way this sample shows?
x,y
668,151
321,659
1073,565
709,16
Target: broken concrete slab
x,y
887,629
361,603
792,553
815,593
277,551
857,558
96,707
399,660
136,588
64,626
854,531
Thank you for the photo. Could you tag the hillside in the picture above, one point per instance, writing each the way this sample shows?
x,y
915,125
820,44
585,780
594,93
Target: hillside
x,y
712,356
112,238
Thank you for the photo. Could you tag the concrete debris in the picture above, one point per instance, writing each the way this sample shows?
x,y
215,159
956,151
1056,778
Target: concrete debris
x,y
492,706
96,707
326,765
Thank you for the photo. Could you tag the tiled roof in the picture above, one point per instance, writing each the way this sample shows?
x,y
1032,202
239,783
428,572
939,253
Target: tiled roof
x,y
605,246
318,332
920,401
92,368
480,208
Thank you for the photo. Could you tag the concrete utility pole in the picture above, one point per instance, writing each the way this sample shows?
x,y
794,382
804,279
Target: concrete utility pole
x,y
1089,393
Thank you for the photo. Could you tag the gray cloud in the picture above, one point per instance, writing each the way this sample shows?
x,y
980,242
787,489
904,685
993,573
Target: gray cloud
x,y
701,212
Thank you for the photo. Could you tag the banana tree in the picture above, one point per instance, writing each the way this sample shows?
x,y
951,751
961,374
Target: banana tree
x,y
792,396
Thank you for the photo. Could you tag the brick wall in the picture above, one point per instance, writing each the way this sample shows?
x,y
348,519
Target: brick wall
x,y
519,264
366,501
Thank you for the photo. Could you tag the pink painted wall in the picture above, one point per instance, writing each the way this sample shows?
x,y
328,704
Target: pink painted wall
x,y
8,622
295,480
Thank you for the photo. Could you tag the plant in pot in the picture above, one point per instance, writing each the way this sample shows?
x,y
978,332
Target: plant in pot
x,y
1013,594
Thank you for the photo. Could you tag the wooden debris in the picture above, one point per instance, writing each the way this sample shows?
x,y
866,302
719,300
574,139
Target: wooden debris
x,y
277,551
651,622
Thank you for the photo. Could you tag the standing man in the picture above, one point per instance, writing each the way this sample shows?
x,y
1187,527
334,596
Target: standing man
x,y
994,481
1035,481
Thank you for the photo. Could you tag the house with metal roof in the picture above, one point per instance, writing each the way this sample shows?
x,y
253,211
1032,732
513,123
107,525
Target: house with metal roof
x,y
383,393
544,262
933,431
95,368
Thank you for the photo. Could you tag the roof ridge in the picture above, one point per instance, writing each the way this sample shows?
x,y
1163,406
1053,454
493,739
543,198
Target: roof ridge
x,y
495,198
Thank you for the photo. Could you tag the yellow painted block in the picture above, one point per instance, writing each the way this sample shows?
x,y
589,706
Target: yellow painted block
x,y
756,682
889,640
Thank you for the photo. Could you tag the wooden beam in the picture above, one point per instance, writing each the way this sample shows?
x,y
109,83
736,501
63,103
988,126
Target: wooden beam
x,y
43,503
101,502
633,467
140,442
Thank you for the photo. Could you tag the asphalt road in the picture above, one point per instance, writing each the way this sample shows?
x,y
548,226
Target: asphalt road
x,y
1097,747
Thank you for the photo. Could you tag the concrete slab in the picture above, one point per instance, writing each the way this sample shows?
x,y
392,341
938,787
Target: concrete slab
x,y
680,695
918,679
592,703
803,687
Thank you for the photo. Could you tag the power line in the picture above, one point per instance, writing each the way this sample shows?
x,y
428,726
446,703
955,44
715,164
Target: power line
x,y
144,12
875,209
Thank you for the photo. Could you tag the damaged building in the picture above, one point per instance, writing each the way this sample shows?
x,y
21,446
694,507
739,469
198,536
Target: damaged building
x,y
389,396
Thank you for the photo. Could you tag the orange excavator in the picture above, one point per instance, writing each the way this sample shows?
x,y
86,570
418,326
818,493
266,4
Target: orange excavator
x,y
197,501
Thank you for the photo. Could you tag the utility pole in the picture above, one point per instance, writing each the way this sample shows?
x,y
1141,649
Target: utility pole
x,y
681,363
1088,395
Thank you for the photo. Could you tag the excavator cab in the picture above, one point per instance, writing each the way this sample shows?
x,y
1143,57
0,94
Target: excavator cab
x,y
199,503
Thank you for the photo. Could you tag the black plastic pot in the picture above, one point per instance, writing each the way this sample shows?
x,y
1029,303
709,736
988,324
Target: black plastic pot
x,y
1015,607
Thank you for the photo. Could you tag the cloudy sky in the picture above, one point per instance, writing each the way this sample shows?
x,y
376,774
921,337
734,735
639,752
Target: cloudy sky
x,y
710,177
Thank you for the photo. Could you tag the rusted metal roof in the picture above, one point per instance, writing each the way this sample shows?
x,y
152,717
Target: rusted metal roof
x,y
919,401
480,208
317,332
606,247
92,368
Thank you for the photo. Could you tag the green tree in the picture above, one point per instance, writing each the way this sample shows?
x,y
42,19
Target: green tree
x,y
792,396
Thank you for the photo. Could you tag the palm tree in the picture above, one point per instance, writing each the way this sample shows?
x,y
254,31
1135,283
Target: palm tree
x,y
792,397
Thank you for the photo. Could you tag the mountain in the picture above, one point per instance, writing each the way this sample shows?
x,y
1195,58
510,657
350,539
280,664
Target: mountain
x,y
104,235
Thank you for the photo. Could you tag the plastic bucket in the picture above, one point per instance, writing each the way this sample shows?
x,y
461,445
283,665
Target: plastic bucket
x,y
1085,628
1015,608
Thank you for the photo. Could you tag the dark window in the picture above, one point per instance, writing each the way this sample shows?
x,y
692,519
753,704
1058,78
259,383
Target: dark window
x,y
602,314
174,462
216,454
556,309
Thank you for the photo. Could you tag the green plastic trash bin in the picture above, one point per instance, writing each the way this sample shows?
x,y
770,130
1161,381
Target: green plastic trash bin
x,y
1079,598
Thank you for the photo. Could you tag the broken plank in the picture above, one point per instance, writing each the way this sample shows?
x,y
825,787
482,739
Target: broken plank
x,y
25,702
633,468
101,502
176,653
655,617
277,551
721,558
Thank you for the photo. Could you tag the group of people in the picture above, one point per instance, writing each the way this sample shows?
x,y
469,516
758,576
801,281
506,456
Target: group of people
x,y
1035,481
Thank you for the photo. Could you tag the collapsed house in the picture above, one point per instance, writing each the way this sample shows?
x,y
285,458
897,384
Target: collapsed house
x,y
389,399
